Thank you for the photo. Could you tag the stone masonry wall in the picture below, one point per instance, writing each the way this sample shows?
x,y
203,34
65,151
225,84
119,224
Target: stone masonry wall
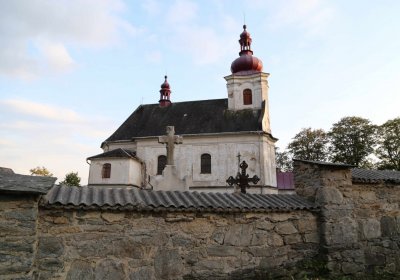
x,y
377,215
77,244
359,223
18,235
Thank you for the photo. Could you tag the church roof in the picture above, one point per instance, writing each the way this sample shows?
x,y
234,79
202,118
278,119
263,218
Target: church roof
x,y
191,117
117,153
89,197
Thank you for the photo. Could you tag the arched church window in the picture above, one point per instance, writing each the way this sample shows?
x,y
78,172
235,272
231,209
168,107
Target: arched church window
x,y
161,162
247,97
205,164
106,170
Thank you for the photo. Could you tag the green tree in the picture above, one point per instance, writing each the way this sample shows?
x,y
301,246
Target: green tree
x,y
283,160
309,144
71,179
352,140
40,171
388,150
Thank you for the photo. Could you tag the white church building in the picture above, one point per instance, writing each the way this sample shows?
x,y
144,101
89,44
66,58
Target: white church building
x,y
211,137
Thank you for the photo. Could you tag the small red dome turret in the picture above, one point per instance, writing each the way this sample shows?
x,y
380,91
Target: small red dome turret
x,y
165,85
246,63
165,93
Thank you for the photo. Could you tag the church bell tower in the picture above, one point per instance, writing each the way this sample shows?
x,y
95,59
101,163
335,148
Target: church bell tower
x,y
247,85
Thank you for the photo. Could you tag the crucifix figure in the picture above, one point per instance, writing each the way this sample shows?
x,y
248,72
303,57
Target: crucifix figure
x,y
242,179
170,140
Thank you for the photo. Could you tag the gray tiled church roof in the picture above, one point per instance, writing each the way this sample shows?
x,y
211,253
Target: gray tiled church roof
x,y
375,176
117,153
145,200
192,117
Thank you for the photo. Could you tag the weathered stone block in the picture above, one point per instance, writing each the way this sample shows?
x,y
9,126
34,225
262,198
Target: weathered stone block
x,y
145,273
351,268
368,196
259,238
207,265
223,251
271,262
280,217
265,225
285,228
375,259
329,195
239,235
218,236
80,270
50,247
50,264
307,225
23,215
110,269
274,240
388,226
168,264
112,217
312,237
259,251
182,241
25,245
126,248
370,228
14,264
342,233
292,239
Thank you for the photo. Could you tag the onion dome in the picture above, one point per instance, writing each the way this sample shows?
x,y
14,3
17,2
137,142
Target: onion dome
x,y
246,62
165,85
165,94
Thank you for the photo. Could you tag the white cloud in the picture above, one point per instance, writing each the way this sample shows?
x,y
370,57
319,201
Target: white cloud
x,y
34,134
310,15
154,56
35,34
202,43
182,11
56,55
152,7
45,111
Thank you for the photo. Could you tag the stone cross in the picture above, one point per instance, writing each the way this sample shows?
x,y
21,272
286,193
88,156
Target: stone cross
x,y
170,140
242,179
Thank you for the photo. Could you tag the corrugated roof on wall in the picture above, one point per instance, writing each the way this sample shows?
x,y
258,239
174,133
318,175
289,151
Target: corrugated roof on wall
x,y
89,197
17,183
375,176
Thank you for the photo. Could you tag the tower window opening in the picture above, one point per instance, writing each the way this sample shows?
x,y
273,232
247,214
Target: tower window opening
x,y
205,164
247,97
161,162
106,171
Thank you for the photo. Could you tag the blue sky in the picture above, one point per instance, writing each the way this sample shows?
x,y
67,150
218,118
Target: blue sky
x,y
72,71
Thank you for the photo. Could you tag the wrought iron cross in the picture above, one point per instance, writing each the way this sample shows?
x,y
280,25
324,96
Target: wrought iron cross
x,y
170,140
242,179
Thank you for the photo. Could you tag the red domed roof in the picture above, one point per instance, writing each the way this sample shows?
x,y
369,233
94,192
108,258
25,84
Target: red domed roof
x,y
165,85
246,62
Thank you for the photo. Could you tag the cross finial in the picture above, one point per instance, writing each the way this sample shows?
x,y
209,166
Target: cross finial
x,y
170,140
242,179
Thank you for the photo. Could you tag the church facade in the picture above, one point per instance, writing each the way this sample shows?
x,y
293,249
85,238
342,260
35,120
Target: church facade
x,y
216,136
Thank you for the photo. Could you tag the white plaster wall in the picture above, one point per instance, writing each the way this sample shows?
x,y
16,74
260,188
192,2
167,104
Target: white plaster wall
x,y
255,149
123,172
